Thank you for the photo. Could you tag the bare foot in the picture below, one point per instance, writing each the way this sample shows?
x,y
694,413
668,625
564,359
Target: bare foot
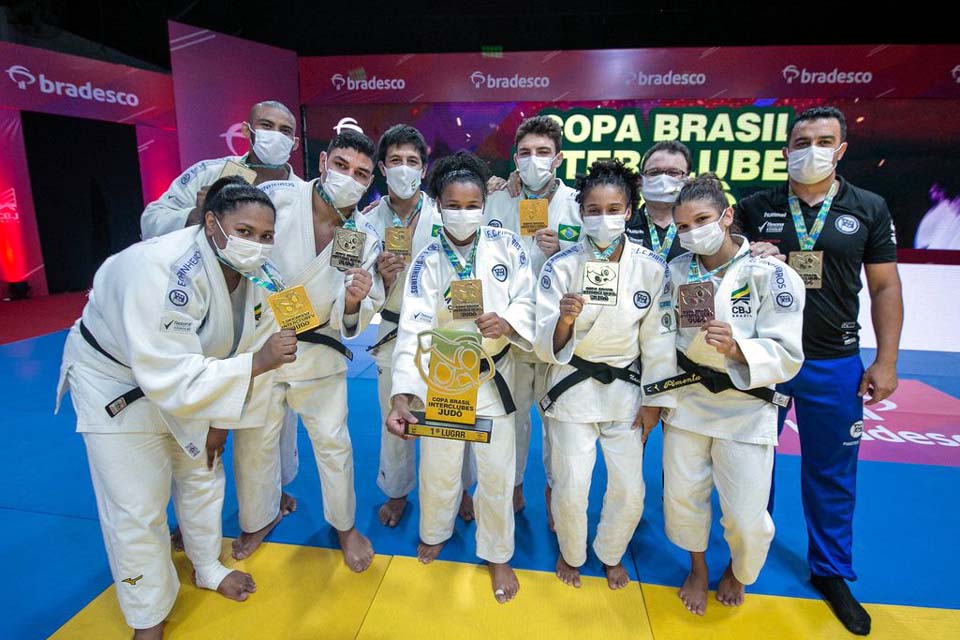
x,y
617,577
391,511
730,591
427,553
505,583
176,540
548,494
237,586
153,633
247,543
693,593
357,550
567,574
518,502
466,507
288,504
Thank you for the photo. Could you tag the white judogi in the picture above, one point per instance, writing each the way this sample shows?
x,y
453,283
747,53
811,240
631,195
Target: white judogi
x,y
315,386
162,309
727,439
397,475
616,336
563,216
169,213
503,267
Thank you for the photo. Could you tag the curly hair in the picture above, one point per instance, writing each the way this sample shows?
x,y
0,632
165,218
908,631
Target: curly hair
x,y
610,172
462,166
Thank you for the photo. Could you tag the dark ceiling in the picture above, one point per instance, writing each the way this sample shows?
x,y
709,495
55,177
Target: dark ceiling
x,y
138,27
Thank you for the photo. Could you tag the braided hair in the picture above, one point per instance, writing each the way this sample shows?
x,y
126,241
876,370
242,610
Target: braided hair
x,y
227,194
610,172
462,166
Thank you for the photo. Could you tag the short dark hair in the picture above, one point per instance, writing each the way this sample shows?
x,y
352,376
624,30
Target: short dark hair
x,y
227,194
820,113
272,104
670,146
462,166
612,172
350,139
706,186
541,126
399,135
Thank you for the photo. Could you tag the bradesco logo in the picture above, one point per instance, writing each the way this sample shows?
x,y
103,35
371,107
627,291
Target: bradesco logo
x,y
669,78
23,78
792,73
345,82
516,81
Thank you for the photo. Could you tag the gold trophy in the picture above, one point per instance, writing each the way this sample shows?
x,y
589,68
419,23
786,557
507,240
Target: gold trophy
x,y
453,381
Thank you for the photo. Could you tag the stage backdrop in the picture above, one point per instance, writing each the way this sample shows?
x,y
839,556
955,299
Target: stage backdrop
x,y
216,79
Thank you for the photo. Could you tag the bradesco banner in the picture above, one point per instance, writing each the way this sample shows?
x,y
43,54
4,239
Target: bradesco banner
x,y
52,82
861,71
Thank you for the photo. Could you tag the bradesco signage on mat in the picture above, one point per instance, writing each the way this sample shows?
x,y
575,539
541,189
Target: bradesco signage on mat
x,y
863,71
51,82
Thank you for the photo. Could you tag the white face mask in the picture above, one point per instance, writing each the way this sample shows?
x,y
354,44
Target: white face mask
x,y
604,229
535,172
243,255
662,188
271,147
705,240
810,165
460,224
403,180
343,190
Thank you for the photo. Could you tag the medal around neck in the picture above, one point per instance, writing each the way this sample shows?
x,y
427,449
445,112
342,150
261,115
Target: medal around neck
x,y
347,250
809,266
399,241
232,168
600,282
292,309
458,367
695,304
533,216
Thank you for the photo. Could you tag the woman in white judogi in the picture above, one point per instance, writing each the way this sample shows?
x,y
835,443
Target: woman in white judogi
x,y
161,352
466,250
599,356
402,158
309,214
726,438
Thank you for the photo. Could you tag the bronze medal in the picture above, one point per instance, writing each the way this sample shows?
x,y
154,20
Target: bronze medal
x,y
695,304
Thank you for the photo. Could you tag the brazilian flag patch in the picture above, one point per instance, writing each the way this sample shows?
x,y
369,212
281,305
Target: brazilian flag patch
x,y
435,231
568,232
743,293
257,312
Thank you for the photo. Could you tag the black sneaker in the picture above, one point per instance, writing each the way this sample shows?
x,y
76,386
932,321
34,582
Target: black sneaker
x,y
848,611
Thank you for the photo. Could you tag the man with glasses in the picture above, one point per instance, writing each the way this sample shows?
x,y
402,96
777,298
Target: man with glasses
x,y
665,167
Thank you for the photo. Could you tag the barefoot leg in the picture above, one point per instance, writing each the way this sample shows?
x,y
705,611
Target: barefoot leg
x,y
730,591
176,540
247,543
505,583
392,510
548,494
427,553
237,586
153,633
466,507
617,577
288,504
693,593
518,502
567,574
357,550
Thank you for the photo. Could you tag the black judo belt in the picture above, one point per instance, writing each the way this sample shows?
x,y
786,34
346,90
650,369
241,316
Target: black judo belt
x,y
714,381
116,405
390,316
585,369
502,388
315,337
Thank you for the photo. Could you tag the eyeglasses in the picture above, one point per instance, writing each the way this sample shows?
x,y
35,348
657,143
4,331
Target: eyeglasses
x,y
673,173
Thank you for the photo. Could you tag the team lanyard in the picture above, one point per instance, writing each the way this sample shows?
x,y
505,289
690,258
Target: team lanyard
x,y
397,222
464,271
604,256
272,283
695,275
655,239
348,223
809,239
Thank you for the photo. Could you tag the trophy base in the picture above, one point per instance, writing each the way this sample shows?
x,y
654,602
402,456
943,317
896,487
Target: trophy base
x,y
479,432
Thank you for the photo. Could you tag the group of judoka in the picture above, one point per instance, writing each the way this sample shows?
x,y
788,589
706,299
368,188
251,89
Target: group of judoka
x,y
178,347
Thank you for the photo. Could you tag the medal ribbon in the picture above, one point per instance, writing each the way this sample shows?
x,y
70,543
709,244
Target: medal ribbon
x,y
695,274
397,222
667,239
464,271
348,223
809,239
604,256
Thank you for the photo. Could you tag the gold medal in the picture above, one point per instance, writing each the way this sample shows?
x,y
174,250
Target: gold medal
x,y
232,168
399,241
600,282
533,216
466,299
347,248
695,304
293,310
809,265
